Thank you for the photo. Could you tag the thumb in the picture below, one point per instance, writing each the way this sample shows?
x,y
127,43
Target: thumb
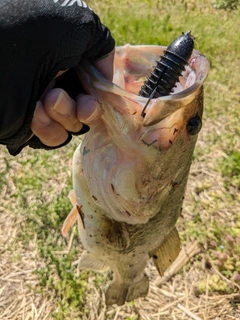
x,y
105,65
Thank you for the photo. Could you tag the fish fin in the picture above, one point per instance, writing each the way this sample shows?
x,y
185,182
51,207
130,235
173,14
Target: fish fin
x,y
72,197
168,251
72,216
119,293
69,221
89,262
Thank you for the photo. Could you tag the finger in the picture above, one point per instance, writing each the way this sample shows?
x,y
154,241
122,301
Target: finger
x,y
105,65
87,109
47,130
61,108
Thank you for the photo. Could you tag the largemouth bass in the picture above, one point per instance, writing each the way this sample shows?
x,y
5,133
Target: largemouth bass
x,y
130,171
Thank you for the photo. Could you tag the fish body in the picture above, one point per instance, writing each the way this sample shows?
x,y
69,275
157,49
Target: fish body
x,y
130,172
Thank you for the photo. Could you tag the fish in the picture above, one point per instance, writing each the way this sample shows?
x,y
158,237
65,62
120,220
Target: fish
x,y
130,171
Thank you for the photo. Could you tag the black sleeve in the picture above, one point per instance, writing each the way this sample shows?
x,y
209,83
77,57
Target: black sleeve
x,y
38,39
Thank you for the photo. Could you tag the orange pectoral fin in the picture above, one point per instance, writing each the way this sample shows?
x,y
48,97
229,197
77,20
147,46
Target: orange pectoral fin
x,y
72,216
70,220
72,197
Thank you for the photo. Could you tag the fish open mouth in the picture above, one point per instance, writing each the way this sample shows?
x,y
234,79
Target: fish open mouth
x,y
132,66
131,74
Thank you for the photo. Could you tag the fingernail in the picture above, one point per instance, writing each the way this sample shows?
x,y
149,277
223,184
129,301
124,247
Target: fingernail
x,y
40,114
88,109
63,104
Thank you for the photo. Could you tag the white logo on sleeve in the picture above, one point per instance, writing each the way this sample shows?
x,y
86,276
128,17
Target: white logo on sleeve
x,y
65,3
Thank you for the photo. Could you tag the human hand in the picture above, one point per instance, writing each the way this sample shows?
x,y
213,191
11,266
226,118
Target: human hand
x,y
57,113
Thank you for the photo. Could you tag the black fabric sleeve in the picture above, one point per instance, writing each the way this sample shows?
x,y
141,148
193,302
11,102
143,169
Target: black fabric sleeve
x,y
39,38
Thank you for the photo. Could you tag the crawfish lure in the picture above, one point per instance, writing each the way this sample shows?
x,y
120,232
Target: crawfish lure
x,y
168,69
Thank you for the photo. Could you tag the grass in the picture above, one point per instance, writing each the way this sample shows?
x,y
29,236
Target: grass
x,y
35,184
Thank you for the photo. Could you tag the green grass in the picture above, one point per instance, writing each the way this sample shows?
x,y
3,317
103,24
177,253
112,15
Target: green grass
x,y
38,181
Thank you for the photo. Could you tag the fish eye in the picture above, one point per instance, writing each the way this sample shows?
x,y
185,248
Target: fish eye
x,y
194,125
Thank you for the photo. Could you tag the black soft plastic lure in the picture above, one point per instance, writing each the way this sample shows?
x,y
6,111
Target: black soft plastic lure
x,y
168,69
